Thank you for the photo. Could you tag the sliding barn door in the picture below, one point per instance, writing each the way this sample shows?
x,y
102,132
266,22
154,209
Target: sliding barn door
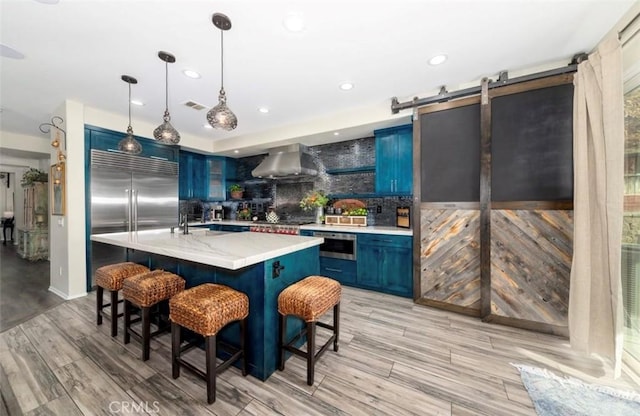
x,y
448,246
529,202
494,200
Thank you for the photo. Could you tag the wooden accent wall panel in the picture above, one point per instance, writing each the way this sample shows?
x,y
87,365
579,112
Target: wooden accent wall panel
x,y
531,254
450,259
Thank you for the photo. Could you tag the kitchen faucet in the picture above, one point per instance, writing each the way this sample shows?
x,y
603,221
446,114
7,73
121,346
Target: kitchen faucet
x,y
184,223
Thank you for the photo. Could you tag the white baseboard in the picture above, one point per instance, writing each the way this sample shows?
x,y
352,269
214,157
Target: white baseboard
x,y
64,295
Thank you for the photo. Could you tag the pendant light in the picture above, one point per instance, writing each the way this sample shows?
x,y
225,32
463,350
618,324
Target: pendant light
x,y
220,116
165,133
129,144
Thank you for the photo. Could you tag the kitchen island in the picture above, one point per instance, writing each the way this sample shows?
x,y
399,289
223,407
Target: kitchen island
x,y
260,265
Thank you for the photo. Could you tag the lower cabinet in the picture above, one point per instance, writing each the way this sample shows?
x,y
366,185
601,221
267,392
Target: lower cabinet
x,y
230,228
343,271
385,264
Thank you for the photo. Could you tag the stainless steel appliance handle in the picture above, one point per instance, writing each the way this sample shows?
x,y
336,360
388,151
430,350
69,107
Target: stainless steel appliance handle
x,y
134,195
128,213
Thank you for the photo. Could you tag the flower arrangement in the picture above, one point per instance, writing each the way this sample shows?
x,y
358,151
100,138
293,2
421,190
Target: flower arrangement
x,y
33,175
314,199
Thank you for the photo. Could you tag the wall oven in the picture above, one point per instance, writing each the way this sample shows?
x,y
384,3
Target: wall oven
x,y
337,245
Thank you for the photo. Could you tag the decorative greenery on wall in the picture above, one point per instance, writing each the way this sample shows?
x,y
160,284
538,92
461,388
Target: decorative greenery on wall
x,y
33,175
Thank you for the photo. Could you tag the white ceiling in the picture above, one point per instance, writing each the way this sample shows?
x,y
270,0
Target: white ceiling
x,y
79,49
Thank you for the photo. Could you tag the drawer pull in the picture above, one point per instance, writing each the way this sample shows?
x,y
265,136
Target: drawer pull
x,y
333,270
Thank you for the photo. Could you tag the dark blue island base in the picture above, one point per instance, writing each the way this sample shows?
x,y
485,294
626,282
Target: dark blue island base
x,y
262,282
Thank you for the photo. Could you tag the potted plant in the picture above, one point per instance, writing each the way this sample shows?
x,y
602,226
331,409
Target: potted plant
x,y
315,200
33,175
236,191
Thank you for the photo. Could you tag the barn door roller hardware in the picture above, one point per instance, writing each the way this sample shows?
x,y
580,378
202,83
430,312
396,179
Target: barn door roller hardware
x,y
503,80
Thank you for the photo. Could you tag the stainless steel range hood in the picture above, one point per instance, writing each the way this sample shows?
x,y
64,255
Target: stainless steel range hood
x,y
286,161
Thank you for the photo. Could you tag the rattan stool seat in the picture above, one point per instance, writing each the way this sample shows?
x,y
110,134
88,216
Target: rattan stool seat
x,y
310,298
207,308
112,276
150,288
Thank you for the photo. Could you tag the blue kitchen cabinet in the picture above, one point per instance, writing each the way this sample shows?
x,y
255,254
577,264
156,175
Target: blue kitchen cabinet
x,y
192,178
385,264
102,139
344,271
216,178
229,228
394,160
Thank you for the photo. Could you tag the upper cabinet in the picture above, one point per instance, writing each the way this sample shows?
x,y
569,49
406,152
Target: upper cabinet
x,y
216,178
103,139
205,177
192,176
394,160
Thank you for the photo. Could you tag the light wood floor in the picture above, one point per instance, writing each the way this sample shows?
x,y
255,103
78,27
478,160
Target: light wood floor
x,y
395,358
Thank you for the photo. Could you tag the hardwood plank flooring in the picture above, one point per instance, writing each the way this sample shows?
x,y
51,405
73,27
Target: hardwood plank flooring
x,y
395,358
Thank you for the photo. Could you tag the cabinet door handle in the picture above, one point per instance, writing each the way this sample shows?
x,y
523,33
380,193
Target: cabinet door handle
x,y
333,270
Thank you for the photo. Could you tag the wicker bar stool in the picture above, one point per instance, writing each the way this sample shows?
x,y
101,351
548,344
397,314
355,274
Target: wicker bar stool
x,y
308,300
205,310
145,291
110,277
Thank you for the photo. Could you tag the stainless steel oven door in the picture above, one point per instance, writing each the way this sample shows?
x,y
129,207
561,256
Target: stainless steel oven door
x,y
338,245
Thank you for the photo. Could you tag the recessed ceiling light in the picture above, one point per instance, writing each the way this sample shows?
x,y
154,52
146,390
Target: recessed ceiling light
x,y
294,22
191,73
437,60
137,102
263,110
207,126
336,133
8,52
236,151
346,86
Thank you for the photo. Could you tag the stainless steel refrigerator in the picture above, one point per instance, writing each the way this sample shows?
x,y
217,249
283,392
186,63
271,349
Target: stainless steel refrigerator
x,y
129,193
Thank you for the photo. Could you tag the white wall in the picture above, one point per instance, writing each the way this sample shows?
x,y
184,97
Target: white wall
x,y
67,245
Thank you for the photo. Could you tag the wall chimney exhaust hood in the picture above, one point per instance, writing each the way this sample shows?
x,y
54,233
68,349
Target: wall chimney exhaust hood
x,y
286,161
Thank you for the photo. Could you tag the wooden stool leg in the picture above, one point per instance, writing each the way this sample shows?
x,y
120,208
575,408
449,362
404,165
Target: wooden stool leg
x,y
146,332
281,339
99,303
114,313
127,321
311,351
336,325
243,345
175,349
210,352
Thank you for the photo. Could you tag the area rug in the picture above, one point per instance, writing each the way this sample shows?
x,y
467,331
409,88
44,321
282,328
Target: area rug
x,y
555,396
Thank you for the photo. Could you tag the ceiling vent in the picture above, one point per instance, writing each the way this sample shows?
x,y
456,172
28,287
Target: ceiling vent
x,y
195,105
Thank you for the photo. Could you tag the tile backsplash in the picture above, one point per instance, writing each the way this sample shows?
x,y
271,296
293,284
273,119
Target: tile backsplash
x,y
286,194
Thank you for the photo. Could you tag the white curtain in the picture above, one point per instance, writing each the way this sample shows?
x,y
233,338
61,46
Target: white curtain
x,y
595,299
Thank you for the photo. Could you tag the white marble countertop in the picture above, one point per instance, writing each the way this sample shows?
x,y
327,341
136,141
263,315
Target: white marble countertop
x,y
216,248
373,229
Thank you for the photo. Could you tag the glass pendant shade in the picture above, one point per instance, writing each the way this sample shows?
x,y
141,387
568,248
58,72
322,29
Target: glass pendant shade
x,y
221,116
165,133
129,144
